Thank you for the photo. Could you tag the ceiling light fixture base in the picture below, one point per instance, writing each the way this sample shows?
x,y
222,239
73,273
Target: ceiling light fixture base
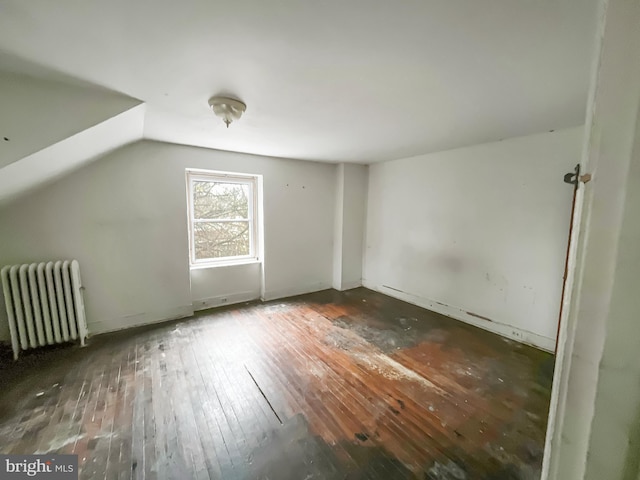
x,y
229,109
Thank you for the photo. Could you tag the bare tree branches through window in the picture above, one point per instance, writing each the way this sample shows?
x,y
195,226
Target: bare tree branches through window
x,y
222,217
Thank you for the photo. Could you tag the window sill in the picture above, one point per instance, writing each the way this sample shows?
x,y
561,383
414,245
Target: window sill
x,y
231,263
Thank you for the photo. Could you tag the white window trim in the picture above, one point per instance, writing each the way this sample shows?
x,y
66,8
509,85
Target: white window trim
x,y
193,175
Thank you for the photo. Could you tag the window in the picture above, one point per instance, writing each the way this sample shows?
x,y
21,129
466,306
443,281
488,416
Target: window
x,y
222,217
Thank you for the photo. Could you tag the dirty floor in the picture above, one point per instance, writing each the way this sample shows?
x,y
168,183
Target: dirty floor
x,y
331,385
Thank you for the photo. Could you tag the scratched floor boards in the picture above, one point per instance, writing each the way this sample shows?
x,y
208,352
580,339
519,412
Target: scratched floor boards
x,y
351,385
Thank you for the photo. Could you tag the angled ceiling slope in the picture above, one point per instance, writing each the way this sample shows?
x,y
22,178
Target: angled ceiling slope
x,y
55,161
37,113
51,124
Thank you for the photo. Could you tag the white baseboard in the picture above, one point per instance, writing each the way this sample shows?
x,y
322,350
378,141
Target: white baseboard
x,y
350,285
504,330
137,320
220,300
294,291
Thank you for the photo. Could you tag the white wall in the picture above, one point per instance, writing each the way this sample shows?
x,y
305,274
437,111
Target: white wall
x,y
477,233
614,449
594,426
212,287
37,113
349,228
338,224
124,218
354,219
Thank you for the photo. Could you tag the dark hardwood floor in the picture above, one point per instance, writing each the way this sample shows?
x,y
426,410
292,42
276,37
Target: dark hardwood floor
x,y
351,385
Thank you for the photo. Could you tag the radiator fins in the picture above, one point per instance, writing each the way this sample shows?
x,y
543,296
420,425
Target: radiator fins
x,y
44,304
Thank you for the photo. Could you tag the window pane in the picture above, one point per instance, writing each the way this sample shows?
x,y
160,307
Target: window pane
x,y
217,240
220,200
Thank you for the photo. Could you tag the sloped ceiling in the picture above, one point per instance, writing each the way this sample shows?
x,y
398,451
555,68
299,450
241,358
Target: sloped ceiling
x,y
37,113
356,80
73,152
51,124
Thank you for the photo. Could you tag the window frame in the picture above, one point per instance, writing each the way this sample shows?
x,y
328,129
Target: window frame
x,y
195,175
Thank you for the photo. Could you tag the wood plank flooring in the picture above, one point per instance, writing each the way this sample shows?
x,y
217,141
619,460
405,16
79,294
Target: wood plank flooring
x,y
330,385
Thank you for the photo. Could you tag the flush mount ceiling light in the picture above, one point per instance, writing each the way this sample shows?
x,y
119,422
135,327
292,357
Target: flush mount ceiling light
x,y
229,109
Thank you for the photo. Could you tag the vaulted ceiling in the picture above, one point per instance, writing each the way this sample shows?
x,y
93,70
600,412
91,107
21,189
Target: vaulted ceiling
x,y
357,80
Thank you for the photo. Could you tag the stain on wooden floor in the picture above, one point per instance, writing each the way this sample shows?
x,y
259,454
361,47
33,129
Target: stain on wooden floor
x,y
330,385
